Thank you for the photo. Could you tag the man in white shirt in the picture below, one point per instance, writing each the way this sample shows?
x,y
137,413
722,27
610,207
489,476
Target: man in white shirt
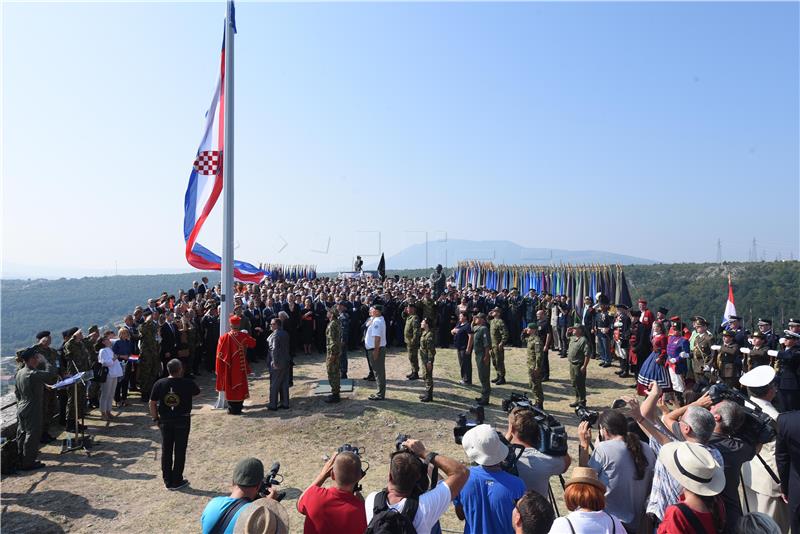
x,y
762,491
375,342
404,473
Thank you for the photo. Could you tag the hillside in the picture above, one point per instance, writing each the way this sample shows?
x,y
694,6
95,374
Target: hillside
x,y
761,289
451,251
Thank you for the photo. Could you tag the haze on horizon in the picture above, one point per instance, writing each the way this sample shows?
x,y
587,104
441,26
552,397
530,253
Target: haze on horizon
x,y
646,129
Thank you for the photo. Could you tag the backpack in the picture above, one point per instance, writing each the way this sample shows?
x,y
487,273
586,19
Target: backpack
x,y
386,520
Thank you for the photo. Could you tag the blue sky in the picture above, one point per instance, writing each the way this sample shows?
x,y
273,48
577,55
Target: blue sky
x,y
649,129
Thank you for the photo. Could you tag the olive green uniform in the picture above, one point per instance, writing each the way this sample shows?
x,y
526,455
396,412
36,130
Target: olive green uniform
x,y
702,357
149,368
29,390
333,342
427,353
411,334
535,358
75,353
429,313
480,342
576,355
50,404
93,387
499,335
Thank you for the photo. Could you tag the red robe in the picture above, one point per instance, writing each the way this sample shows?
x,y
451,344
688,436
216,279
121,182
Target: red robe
x,y
232,366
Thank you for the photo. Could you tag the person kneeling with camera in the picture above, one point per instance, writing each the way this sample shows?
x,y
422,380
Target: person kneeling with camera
x,y
339,508
221,513
405,499
534,467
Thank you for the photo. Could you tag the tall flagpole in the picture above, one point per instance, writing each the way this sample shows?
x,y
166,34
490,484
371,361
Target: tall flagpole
x,y
227,176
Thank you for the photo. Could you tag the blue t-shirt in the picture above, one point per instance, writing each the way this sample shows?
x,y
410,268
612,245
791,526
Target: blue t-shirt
x,y
488,498
215,509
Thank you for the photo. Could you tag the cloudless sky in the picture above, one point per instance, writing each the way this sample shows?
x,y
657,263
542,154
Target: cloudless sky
x,y
649,129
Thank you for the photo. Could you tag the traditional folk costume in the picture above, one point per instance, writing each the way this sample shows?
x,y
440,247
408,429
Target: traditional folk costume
x,y
232,367
677,354
653,370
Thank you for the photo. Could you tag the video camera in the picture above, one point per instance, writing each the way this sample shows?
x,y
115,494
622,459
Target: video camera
x,y
358,451
552,434
757,425
464,423
272,479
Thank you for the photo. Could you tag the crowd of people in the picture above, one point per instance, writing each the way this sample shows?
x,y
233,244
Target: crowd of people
x,y
672,463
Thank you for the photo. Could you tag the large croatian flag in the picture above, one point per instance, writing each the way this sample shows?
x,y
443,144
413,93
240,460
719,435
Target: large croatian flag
x,y
205,185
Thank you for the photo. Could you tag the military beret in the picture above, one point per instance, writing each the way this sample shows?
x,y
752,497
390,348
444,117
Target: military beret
x,y
663,310
764,321
532,325
69,332
759,335
378,307
43,334
28,353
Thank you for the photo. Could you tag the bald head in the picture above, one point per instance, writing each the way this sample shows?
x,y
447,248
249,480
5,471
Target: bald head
x,y
346,469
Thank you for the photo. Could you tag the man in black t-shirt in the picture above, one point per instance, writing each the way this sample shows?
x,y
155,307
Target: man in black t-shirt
x,y
171,407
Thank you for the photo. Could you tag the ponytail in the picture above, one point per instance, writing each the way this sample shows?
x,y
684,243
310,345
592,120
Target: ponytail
x,y
640,461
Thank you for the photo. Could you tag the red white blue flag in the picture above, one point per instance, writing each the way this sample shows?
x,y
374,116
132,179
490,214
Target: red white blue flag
x,y
730,307
205,186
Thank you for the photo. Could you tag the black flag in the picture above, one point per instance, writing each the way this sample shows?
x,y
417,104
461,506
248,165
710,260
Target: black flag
x,y
623,294
382,268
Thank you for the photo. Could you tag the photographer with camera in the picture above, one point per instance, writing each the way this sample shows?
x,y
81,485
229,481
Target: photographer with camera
x,y
339,508
736,450
405,499
489,497
623,463
762,488
691,423
534,467
221,513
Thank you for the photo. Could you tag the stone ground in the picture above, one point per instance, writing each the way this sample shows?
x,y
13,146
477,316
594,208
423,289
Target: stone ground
x,y
118,487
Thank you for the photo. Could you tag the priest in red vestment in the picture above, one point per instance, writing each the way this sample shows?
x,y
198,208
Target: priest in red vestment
x,y
232,366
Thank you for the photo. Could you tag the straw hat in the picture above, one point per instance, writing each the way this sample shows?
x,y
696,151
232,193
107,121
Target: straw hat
x,y
693,467
263,516
585,475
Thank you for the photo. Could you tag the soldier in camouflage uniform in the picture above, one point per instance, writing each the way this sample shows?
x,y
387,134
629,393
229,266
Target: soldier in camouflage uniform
x,y
427,353
333,343
149,368
50,404
77,359
411,334
344,323
499,337
530,337
429,311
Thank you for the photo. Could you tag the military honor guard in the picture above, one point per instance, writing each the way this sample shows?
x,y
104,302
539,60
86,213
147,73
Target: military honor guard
x,y
427,353
333,344
411,335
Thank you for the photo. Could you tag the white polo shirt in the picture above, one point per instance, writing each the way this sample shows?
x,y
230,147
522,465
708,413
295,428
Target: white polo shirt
x,y
377,327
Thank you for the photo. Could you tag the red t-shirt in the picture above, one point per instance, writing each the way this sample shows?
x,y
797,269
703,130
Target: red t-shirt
x,y
676,523
331,510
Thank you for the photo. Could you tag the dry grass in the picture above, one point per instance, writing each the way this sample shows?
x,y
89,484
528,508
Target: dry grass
x,y
118,487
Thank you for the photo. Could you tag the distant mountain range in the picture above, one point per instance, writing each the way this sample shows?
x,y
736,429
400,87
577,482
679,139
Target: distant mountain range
x,y
452,251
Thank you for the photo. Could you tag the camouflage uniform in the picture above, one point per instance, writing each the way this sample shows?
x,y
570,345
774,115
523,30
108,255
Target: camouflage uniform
x,y
535,360
429,313
498,334
50,404
94,387
333,341
75,352
411,333
149,367
427,353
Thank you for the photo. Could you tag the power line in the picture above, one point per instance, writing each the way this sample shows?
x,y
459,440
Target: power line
x,y
719,250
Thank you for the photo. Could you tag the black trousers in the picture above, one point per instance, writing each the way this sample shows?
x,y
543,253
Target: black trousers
x,y
465,365
174,439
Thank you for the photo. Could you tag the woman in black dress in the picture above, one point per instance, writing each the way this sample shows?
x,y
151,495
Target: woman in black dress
x,y
307,325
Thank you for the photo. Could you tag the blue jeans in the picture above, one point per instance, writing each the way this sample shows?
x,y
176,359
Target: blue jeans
x,y
602,347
